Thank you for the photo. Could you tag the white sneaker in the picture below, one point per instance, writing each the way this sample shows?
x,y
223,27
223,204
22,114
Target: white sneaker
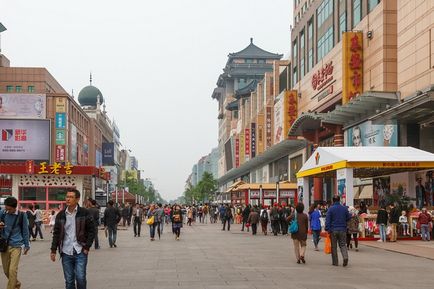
x,y
380,240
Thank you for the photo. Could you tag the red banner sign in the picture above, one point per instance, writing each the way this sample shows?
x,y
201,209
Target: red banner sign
x,y
323,76
237,152
60,153
247,142
268,129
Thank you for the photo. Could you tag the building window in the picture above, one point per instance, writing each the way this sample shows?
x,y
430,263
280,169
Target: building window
x,y
302,53
18,88
372,4
294,76
294,51
310,45
324,11
249,60
325,43
261,60
342,24
9,88
357,12
31,88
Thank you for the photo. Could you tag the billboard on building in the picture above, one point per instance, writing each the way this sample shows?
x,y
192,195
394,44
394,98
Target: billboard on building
x,y
61,104
247,143
23,106
285,113
73,147
25,139
253,140
242,148
237,152
108,154
352,65
368,134
268,127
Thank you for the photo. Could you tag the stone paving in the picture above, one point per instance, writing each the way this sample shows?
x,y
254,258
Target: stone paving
x,y
207,257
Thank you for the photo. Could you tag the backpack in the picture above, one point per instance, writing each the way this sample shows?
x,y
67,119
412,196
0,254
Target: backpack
x,y
264,215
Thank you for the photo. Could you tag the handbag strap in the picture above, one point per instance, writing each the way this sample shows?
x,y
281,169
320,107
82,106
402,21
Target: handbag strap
x,y
13,226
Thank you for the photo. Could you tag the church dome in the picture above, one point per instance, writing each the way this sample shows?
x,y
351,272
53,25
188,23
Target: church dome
x,y
88,96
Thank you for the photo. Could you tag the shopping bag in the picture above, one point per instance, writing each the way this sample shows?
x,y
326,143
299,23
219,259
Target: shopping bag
x,y
389,230
247,225
328,245
150,220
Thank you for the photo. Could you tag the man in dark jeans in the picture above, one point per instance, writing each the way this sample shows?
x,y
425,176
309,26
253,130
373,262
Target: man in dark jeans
x,y
73,234
111,219
336,225
274,219
227,218
245,214
94,212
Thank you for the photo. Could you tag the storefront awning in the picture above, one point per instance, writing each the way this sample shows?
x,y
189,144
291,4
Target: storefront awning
x,y
418,108
362,107
366,161
277,151
267,186
234,186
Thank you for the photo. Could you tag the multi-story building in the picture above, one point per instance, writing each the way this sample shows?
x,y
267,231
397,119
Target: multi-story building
x,y
360,73
241,73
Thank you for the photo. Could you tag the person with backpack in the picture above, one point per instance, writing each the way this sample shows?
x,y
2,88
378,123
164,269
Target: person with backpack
x,y
14,231
263,218
274,219
299,236
227,218
177,221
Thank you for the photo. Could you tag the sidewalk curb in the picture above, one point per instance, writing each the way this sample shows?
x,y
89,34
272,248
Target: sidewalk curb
x,y
397,251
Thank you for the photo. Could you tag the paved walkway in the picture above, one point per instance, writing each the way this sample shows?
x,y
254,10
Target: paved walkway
x,y
207,257
415,248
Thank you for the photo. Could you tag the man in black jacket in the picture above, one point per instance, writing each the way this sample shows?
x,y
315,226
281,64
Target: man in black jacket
x,y
73,234
94,211
111,219
394,220
245,214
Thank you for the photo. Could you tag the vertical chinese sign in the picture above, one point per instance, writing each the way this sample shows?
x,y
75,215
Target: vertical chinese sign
x,y
291,109
61,135
253,140
247,143
242,148
260,134
352,52
268,129
237,152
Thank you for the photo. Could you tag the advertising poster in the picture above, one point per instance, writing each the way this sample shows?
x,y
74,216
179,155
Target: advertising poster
x,y
291,109
24,139
368,134
300,190
381,188
74,152
108,154
279,118
424,188
253,140
60,153
60,120
23,106
60,137
98,158
344,178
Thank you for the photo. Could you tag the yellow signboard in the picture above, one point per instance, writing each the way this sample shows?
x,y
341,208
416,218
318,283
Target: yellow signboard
x,y
242,149
61,104
352,65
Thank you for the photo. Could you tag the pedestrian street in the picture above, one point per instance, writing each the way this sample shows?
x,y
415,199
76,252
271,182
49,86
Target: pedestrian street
x,y
206,257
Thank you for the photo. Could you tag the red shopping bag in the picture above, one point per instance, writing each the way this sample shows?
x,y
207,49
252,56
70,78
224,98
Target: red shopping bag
x,y
328,245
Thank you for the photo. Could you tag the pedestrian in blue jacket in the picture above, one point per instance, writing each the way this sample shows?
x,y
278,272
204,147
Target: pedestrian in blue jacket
x,y
336,225
315,224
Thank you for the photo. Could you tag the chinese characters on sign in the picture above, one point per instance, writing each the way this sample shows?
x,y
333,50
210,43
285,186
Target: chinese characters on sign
x,y
242,147
260,134
60,153
352,65
323,76
237,152
247,143
292,109
55,169
268,128
253,140
30,167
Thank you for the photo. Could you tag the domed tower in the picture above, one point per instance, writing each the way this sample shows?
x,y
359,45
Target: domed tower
x,y
90,96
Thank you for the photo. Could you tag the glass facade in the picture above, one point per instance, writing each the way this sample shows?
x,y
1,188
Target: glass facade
x,y
357,12
45,197
342,24
324,11
325,43
310,45
302,53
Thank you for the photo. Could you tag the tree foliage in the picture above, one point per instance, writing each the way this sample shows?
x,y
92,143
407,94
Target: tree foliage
x,y
203,191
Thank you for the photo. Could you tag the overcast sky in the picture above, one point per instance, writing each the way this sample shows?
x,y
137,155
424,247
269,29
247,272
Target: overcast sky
x,y
155,62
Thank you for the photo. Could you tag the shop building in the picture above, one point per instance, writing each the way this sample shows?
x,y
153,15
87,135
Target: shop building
x,y
364,76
